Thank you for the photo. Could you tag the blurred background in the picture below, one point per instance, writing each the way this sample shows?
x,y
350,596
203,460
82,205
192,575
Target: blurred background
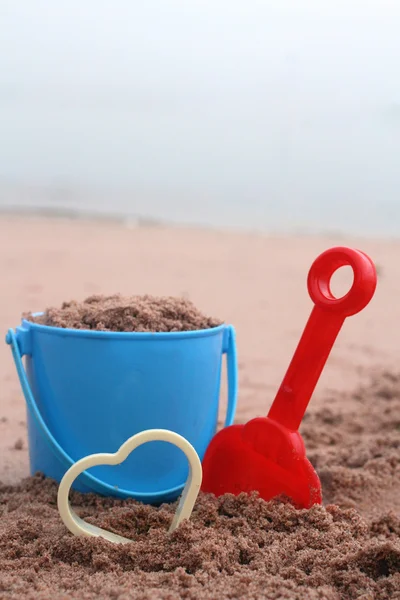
x,y
268,131
281,116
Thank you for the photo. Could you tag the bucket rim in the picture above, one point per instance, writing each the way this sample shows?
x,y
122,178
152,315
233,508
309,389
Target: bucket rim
x,y
145,335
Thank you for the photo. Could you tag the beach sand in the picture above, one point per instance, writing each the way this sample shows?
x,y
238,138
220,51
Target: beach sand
x,y
257,283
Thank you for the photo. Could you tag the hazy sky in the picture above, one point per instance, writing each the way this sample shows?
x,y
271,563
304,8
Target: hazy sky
x,y
289,102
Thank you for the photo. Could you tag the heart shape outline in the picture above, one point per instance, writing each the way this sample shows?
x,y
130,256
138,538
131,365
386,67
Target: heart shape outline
x,y
80,527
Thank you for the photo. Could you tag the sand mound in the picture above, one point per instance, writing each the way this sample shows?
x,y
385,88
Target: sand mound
x,y
120,313
232,547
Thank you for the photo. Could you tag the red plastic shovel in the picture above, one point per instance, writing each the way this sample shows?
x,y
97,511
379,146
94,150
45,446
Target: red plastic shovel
x,y
268,454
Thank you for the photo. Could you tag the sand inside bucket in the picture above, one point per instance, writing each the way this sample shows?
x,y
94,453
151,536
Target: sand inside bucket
x,y
121,313
232,547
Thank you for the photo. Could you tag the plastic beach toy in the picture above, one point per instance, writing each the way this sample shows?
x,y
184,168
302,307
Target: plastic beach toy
x,y
79,527
268,453
89,391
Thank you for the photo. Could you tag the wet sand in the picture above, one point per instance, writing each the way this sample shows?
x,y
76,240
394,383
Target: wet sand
x,y
258,283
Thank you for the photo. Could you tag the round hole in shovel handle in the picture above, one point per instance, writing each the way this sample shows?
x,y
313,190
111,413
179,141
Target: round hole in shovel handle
x,y
361,291
341,281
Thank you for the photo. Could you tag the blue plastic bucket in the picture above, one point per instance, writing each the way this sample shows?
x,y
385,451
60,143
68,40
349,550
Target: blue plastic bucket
x,y
88,391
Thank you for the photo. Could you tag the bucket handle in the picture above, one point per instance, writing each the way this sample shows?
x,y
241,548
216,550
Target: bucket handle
x,y
229,348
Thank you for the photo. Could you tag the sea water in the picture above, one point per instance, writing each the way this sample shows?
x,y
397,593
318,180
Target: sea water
x,y
282,117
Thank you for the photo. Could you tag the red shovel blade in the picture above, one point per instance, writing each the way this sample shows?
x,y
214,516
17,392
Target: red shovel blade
x,y
268,454
262,456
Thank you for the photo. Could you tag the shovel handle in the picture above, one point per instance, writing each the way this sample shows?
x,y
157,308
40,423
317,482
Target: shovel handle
x,y
321,330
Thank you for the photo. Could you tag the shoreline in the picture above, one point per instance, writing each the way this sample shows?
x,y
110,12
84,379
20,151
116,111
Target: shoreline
x,y
139,221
